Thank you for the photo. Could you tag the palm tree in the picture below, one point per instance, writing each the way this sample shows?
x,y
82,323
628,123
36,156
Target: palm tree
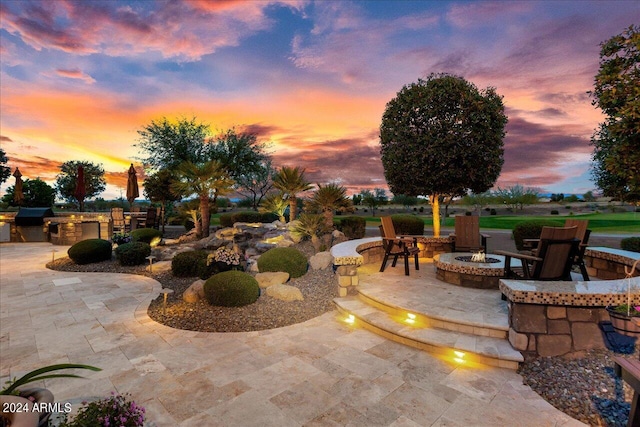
x,y
208,180
276,204
328,199
291,181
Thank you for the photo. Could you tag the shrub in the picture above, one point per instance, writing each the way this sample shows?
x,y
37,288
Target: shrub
x,y
246,216
226,221
189,264
408,224
90,250
531,230
188,224
630,244
494,212
268,217
555,212
133,253
121,238
231,289
353,227
146,235
290,260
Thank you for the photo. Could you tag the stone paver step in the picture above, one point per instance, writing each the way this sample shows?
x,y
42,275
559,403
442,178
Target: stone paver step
x,y
462,347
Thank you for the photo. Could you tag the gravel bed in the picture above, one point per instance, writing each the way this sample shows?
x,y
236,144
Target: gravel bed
x,y
585,388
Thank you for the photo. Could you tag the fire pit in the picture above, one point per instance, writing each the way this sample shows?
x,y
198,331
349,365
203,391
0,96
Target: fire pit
x,y
458,269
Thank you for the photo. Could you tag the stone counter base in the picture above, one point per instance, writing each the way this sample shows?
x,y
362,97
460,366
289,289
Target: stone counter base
x,y
608,264
549,330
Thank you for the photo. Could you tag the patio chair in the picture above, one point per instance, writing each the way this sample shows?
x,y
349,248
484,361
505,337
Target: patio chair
x,y
467,236
551,260
117,217
397,245
149,220
582,234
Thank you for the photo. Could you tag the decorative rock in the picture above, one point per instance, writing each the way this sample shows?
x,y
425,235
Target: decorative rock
x,y
321,260
160,267
268,279
264,247
252,266
194,293
347,270
284,293
285,243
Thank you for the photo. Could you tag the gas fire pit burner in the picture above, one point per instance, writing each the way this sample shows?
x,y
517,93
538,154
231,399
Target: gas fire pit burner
x,y
487,260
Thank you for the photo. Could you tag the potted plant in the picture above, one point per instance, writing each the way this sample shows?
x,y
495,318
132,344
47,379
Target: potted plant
x,y
622,316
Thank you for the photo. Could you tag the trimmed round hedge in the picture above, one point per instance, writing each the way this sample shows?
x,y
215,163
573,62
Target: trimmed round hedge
x,y
189,264
630,244
290,260
353,227
146,235
133,253
231,289
90,250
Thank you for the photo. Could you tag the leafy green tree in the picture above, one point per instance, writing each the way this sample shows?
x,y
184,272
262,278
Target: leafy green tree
x,y
240,153
478,200
37,193
517,196
373,199
405,201
158,188
325,200
67,179
255,184
5,171
166,144
291,181
588,197
357,199
616,158
208,181
442,137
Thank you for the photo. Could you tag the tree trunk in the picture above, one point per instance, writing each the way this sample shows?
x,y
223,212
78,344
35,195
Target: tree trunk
x,y
293,207
435,209
328,218
204,215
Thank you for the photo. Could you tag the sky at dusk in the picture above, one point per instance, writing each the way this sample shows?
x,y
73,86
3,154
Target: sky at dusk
x,y
80,78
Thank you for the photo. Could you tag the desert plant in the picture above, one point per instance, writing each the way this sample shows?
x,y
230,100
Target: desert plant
x,y
146,235
116,410
42,374
291,181
188,264
354,227
310,226
630,244
328,199
290,260
90,250
408,224
133,253
231,289
276,204
531,230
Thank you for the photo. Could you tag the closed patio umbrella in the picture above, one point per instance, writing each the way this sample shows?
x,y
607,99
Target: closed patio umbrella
x,y
132,186
18,194
81,189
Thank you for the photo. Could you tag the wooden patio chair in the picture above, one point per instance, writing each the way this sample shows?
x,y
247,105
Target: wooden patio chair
x,y
119,223
551,260
397,245
151,219
582,234
467,236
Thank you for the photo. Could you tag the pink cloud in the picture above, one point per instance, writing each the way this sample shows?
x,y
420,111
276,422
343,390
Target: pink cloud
x,y
75,73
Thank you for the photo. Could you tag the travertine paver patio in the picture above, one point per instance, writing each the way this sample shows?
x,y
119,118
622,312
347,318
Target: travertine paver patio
x,y
321,372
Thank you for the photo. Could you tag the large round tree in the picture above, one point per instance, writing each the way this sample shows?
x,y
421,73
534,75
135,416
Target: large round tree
x,y
442,137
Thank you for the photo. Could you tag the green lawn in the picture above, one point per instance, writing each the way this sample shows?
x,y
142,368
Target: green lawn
x,y
627,222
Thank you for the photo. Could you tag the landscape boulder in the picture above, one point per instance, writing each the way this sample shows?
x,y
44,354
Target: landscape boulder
x,y
194,293
321,260
284,293
272,278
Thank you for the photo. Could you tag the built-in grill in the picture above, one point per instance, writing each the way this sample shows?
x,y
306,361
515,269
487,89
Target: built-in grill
x,y
29,217
29,224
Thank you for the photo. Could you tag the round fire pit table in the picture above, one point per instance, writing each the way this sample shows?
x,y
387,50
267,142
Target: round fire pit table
x,y
458,269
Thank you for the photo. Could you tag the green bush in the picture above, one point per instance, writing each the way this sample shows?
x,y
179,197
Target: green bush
x,y
531,230
246,216
231,289
188,224
90,250
133,253
268,217
408,224
493,212
189,264
555,212
353,227
630,244
226,220
290,260
146,235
